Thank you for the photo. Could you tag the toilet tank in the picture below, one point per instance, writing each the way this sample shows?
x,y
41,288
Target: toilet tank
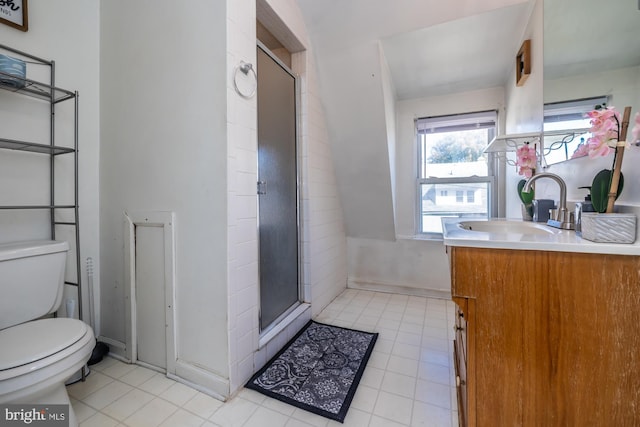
x,y
31,280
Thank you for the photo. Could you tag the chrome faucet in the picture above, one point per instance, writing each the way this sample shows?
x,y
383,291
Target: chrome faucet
x,y
562,217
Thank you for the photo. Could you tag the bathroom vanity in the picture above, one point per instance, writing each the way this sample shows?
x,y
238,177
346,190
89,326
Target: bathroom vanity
x,y
546,329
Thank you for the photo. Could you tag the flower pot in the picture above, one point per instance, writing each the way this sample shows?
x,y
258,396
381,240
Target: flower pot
x,y
527,211
609,228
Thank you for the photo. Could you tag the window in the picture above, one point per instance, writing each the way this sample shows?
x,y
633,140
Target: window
x,y
565,127
452,163
471,196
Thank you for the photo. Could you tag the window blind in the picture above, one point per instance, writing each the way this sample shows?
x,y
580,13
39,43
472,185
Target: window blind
x,y
457,122
571,110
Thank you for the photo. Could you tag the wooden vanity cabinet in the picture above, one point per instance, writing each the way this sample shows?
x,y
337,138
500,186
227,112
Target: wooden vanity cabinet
x,y
546,338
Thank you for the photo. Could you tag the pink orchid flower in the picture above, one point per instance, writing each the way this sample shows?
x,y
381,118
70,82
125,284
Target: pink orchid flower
x,y
526,172
604,129
526,159
598,147
635,132
581,151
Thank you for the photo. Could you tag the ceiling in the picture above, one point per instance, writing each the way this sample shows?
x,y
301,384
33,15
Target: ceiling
x,y
430,48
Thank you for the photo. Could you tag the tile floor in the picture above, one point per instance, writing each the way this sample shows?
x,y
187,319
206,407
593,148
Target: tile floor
x,y
408,380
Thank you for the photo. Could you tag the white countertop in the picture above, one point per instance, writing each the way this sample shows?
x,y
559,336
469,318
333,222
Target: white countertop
x,y
557,240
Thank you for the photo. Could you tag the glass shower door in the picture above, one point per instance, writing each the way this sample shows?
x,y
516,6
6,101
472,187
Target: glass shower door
x,y
277,190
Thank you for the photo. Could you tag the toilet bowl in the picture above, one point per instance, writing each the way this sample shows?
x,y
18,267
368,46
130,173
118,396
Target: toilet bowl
x,y
39,355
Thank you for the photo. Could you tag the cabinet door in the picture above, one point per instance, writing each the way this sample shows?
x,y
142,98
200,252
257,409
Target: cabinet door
x,y
461,383
465,360
461,351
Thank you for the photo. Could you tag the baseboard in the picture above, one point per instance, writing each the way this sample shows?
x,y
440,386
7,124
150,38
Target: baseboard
x,y
202,380
117,349
369,285
186,373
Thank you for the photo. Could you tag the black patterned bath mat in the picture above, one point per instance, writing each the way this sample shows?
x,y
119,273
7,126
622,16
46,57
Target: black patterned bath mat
x,y
318,370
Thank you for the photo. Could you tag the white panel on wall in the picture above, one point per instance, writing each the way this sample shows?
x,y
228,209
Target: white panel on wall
x,y
150,279
150,296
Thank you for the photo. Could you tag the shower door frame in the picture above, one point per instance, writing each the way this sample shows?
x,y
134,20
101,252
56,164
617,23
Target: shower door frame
x,y
300,286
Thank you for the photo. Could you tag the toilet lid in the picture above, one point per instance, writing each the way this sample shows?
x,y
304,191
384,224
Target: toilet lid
x,y
31,341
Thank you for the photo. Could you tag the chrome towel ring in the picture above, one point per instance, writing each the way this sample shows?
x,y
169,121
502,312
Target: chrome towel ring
x,y
245,68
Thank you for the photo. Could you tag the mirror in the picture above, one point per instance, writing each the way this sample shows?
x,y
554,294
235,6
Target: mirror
x,y
591,50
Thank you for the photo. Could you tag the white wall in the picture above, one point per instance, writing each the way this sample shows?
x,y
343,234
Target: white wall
x,y
57,31
404,266
242,244
164,148
389,97
524,103
622,86
355,108
325,244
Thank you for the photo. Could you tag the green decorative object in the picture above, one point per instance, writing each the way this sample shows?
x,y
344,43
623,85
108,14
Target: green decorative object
x,y
527,198
527,201
600,189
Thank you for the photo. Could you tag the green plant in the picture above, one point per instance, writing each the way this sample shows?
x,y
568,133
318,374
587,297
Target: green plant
x,y
600,189
526,198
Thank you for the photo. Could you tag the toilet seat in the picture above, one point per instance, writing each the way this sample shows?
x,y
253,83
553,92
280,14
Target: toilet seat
x,y
34,345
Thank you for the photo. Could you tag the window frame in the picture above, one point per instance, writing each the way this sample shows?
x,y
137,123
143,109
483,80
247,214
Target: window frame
x,y
564,111
490,179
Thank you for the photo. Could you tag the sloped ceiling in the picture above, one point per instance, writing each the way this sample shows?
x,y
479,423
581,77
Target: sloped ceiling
x,y
579,37
465,54
420,51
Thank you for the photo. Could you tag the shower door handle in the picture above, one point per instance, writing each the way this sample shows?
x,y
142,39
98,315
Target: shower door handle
x,y
262,187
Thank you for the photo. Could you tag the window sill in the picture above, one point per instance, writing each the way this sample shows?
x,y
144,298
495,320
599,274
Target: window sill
x,y
424,237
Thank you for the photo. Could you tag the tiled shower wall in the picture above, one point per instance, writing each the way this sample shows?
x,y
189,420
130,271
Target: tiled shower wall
x,y
323,238
325,246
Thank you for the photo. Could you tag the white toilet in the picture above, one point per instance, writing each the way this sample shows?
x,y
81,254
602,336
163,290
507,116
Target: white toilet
x,y
37,356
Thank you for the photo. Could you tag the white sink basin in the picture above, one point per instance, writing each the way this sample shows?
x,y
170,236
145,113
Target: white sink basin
x,y
509,227
500,233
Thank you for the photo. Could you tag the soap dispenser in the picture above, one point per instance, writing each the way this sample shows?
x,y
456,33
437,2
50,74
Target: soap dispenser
x,y
585,206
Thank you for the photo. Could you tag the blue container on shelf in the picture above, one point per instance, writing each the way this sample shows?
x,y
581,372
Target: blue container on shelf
x,y
12,72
